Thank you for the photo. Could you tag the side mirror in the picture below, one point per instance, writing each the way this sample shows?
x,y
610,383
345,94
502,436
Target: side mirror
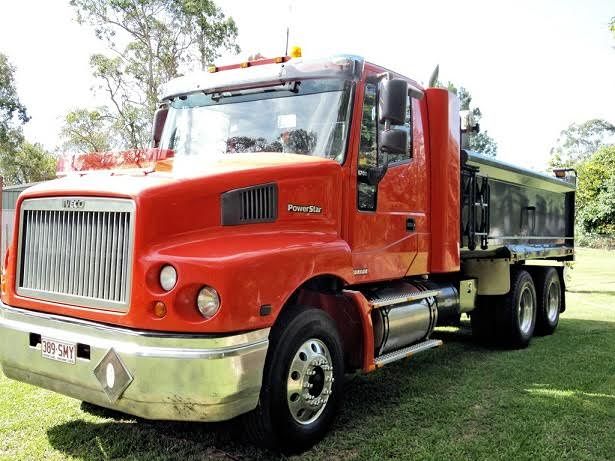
x,y
392,100
160,117
394,141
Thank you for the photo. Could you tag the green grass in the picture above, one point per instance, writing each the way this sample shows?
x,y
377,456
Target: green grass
x,y
554,400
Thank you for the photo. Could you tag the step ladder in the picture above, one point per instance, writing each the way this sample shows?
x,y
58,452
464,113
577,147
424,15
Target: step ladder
x,y
405,352
377,303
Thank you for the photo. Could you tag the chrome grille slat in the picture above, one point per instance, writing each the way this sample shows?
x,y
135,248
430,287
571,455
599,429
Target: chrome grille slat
x,y
77,256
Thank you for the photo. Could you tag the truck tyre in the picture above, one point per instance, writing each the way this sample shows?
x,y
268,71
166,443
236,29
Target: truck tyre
x,y
549,295
482,319
302,382
516,314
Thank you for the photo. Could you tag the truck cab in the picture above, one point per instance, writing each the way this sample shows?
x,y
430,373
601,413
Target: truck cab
x,y
294,220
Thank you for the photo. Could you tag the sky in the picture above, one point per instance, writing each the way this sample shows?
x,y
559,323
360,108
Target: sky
x,y
533,67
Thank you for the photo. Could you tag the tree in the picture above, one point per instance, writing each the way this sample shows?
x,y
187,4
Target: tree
x,y
152,41
596,192
87,130
28,163
12,112
579,141
480,142
20,161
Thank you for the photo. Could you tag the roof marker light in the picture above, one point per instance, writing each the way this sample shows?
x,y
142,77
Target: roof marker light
x,y
295,51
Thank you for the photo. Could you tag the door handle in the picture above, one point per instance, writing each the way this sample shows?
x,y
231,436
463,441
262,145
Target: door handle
x,y
410,225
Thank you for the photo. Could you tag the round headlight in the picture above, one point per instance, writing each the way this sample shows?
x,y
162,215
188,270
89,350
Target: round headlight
x,y
208,302
168,278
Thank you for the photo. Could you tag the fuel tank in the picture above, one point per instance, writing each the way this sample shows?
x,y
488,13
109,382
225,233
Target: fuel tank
x,y
407,312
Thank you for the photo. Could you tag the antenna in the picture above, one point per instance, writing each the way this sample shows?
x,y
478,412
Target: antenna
x,y
287,32
290,13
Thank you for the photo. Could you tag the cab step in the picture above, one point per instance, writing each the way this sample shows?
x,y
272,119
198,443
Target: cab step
x,y
401,298
409,351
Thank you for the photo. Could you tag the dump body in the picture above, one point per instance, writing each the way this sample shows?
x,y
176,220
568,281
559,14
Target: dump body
x,y
508,209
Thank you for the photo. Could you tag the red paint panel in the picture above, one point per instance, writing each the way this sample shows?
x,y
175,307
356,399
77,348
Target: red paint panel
x,y
178,223
443,109
379,239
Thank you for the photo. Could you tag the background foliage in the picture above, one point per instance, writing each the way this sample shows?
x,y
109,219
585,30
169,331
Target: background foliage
x,y
480,142
149,42
20,161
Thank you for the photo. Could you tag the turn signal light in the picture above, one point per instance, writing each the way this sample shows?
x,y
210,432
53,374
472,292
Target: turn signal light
x,y
212,69
160,309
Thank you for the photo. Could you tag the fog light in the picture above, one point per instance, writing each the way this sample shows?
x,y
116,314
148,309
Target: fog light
x,y
168,278
208,302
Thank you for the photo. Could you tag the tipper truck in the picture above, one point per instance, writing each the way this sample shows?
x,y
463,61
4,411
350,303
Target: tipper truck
x,y
294,220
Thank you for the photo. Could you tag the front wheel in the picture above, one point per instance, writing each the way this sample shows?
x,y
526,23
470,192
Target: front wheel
x,y
301,382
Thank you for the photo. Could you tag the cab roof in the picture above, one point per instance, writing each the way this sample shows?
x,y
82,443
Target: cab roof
x,y
264,72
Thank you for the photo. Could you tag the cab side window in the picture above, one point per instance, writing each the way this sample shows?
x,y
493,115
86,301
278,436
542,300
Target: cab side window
x,y
368,149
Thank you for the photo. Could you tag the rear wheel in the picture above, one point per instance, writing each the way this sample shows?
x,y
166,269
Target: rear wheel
x,y
516,314
301,382
549,293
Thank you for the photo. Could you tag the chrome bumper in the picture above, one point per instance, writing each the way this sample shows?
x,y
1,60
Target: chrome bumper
x,y
173,376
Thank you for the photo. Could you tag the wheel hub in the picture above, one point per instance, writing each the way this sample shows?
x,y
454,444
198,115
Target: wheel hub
x,y
310,381
553,302
525,309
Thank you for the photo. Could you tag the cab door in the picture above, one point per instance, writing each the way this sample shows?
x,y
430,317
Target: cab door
x,y
389,230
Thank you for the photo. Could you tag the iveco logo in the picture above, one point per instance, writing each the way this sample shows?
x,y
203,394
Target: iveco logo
x,y
73,204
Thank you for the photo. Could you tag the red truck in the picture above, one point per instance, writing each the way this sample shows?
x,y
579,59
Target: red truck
x,y
294,221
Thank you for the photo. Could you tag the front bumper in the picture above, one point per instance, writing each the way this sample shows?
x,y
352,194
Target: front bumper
x,y
183,377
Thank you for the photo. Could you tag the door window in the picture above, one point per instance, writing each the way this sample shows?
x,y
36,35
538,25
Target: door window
x,y
368,149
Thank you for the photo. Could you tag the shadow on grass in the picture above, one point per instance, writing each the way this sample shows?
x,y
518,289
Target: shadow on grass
x,y
460,401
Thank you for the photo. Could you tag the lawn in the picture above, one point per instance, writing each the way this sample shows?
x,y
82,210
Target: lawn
x,y
554,400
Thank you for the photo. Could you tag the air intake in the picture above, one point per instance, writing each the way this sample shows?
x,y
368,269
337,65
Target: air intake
x,y
255,204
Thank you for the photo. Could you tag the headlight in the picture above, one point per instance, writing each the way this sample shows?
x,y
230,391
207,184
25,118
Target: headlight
x,y
208,302
168,278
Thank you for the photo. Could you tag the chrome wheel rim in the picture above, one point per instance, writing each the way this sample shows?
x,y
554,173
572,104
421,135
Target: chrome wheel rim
x,y
525,310
553,302
309,381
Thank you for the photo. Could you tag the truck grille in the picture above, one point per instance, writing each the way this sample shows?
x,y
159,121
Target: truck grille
x,y
77,250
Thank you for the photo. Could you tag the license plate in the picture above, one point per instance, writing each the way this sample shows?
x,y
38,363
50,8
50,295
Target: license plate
x,y
58,350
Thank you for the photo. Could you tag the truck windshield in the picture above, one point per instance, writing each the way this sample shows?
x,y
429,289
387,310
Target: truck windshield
x,y
308,117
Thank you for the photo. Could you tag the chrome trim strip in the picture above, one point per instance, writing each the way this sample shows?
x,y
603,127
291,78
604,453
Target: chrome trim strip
x,y
256,340
92,270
